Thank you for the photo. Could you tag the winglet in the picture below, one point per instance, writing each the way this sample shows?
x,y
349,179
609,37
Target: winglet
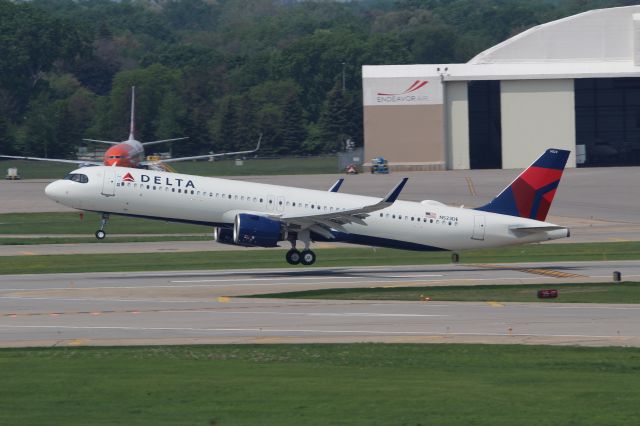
x,y
395,192
336,186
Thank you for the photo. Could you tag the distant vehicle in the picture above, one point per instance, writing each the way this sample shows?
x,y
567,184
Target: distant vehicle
x,y
130,153
379,165
12,174
261,215
351,169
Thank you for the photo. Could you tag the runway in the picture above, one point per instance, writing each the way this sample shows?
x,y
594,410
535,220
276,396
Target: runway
x,y
203,307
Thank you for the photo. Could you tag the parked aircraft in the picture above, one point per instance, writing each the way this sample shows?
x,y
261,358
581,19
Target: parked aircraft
x,y
255,214
130,153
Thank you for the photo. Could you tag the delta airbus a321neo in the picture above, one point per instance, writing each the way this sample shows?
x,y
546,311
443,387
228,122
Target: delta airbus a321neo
x,y
130,153
255,214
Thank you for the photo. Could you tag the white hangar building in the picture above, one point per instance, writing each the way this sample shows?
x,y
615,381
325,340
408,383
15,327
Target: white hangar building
x,y
573,83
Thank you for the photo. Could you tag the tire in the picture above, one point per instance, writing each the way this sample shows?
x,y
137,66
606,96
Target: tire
x,y
308,257
100,234
293,257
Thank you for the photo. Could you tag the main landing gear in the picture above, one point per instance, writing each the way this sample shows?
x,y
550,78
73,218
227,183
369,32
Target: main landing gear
x,y
306,257
100,234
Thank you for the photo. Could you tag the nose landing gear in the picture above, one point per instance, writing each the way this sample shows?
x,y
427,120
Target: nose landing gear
x,y
100,234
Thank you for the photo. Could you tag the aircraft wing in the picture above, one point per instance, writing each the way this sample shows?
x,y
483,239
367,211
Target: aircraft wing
x,y
98,140
164,140
322,223
56,160
201,157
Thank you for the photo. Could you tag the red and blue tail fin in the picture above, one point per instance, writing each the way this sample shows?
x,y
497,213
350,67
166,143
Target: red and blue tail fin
x,y
531,194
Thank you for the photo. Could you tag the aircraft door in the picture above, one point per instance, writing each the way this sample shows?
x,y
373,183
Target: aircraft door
x,y
271,200
109,182
478,227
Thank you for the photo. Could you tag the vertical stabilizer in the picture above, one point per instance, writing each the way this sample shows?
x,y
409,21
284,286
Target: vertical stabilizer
x,y
132,125
531,194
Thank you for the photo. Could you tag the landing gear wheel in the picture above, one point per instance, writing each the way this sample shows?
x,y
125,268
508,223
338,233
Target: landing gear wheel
x,y
455,258
100,234
293,257
308,257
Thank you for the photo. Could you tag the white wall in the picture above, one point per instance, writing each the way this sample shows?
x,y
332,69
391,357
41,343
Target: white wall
x,y
457,125
536,115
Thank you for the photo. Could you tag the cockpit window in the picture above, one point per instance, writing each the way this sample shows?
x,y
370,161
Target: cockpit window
x,y
77,177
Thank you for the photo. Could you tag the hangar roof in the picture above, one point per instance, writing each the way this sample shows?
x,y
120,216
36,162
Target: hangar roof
x,y
597,43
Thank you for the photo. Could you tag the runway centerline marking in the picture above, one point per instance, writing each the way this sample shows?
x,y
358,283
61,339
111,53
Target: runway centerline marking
x,y
212,280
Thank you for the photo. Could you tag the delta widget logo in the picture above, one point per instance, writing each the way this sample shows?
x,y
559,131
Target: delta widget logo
x,y
128,178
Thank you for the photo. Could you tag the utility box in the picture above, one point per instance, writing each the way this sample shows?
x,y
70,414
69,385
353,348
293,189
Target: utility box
x,y
12,173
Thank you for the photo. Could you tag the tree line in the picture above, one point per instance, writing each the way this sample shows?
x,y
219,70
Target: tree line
x,y
224,71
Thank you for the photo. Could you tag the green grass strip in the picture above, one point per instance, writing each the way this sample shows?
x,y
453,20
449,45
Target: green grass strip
x,y
275,166
262,258
93,240
88,223
359,384
625,292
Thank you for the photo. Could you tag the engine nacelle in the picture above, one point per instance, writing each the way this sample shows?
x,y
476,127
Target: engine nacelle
x,y
255,230
223,235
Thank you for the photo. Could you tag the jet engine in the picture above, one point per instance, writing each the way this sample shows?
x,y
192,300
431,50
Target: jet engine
x,y
255,230
223,235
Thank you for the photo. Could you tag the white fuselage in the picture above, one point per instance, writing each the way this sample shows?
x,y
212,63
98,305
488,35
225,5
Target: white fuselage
x,y
170,196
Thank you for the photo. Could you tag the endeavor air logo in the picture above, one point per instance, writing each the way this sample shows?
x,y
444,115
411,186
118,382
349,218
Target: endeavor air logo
x,y
408,95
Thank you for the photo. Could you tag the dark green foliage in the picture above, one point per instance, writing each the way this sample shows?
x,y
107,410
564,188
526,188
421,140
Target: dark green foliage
x,y
221,72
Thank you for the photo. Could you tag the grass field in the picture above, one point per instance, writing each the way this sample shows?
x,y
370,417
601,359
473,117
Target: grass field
x,y
90,239
74,223
263,258
361,384
625,292
280,166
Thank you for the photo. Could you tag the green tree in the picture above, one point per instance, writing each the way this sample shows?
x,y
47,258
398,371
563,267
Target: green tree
x,y
294,132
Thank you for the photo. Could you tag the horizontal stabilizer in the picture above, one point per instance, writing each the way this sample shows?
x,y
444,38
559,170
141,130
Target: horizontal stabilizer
x,y
532,229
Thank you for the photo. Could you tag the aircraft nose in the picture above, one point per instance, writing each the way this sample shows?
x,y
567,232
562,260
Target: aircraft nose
x,y
54,191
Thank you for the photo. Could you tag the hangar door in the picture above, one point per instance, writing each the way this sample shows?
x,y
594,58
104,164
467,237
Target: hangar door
x,y
608,121
485,129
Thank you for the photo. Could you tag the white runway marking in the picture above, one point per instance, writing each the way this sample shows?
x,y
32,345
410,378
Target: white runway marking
x,y
278,330
387,282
